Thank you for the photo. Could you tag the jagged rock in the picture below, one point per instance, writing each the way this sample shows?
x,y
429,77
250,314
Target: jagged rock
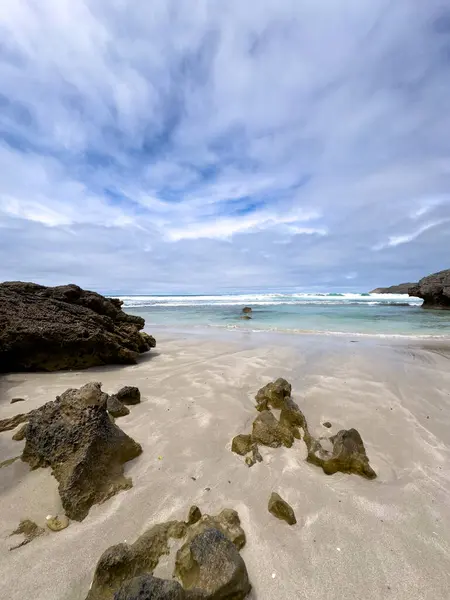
x,y
129,395
292,418
401,288
65,327
147,587
211,563
434,289
194,515
123,562
281,509
327,424
268,431
57,523
14,400
116,408
273,394
20,434
29,529
76,438
348,454
12,422
227,521
242,444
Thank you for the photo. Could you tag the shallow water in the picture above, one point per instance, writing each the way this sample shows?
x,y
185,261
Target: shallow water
x,y
359,314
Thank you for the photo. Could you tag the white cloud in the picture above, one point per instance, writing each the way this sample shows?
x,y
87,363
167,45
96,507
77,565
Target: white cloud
x,y
160,143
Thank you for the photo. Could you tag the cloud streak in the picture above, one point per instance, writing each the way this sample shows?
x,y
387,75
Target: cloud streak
x,y
178,146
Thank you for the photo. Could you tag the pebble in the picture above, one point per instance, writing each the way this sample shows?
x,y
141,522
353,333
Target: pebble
x,y
57,523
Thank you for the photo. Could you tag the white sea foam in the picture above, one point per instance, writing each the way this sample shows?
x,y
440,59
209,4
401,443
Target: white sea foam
x,y
272,299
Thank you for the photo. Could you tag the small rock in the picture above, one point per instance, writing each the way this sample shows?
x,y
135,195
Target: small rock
x,y
20,435
256,455
281,509
14,400
247,310
249,461
116,408
242,444
57,523
129,395
194,515
327,424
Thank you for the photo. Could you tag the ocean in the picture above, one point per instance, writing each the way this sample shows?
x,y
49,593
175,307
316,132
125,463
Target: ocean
x,y
331,313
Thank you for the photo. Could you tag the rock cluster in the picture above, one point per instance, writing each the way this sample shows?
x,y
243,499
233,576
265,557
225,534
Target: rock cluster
x,y
346,454
208,563
65,327
434,289
86,451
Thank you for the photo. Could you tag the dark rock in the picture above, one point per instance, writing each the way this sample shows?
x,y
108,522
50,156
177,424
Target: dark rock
x,y
29,530
76,438
211,563
256,455
247,310
268,431
348,454
129,395
434,289
12,422
292,417
281,509
65,327
401,288
20,434
194,515
327,424
227,522
245,317
14,400
147,587
273,394
116,408
242,444
122,562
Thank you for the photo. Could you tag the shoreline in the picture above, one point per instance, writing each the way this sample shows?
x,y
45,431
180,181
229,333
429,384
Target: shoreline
x,y
216,331
354,538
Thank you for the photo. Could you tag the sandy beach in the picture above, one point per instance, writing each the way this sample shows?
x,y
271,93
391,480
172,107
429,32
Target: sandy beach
x,y
354,538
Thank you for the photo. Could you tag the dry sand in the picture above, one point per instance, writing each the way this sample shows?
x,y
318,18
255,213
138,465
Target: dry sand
x,y
388,538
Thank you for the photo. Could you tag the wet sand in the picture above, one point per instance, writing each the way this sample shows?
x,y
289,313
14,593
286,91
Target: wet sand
x,y
387,538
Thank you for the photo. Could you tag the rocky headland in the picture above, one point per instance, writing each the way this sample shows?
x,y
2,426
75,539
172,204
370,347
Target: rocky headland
x,y
434,289
65,327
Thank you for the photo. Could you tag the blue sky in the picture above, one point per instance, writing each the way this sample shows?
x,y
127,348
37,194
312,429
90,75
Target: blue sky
x,y
180,146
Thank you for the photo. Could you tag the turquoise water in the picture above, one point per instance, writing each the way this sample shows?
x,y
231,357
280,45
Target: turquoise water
x,y
372,314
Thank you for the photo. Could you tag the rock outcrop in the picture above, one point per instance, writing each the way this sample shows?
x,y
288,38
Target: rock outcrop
x,y
65,327
86,451
343,452
280,509
434,289
208,563
401,288
348,454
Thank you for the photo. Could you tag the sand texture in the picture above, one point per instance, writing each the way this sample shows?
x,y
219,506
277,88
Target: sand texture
x,y
354,538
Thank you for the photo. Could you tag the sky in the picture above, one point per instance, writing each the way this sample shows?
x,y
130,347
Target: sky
x,y
201,146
